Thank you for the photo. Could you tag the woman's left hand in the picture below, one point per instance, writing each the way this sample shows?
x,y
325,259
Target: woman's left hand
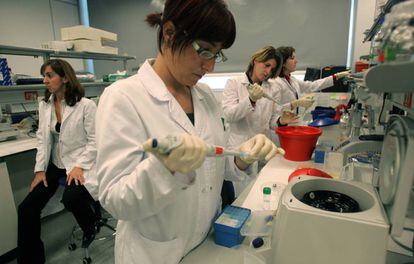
x,y
76,174
258,147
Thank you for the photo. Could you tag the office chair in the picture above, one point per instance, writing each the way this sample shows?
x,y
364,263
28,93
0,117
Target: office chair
x,y
77,233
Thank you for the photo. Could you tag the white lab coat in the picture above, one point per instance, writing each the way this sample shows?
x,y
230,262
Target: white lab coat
x,y
286,92
76,139
161,216
246,121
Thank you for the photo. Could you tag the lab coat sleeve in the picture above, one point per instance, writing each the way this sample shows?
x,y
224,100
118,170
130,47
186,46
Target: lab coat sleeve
x,y
88,156
132,186
317,85
235,107
40,154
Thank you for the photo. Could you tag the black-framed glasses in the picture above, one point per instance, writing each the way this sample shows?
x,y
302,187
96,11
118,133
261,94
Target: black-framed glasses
x,y
208,55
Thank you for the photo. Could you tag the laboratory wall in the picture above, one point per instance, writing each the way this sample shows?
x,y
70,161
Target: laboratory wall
x,y
27,23
318,29
364,18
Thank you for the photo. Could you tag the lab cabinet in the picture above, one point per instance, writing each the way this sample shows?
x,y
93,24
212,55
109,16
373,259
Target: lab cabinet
x,y
8,223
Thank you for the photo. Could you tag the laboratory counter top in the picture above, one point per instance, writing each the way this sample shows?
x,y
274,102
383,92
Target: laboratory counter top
x,y
21,144
276,170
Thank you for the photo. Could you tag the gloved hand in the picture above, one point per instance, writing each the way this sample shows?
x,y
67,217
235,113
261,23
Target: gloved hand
x,y
259,147
288,118
342,74
255,92
305,101
188,154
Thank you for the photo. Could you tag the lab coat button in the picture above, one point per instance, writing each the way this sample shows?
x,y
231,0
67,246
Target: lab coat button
x,y
203,190
184,188
211,188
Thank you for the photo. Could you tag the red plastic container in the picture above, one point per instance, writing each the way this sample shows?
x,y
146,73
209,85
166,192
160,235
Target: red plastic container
x,y
298,141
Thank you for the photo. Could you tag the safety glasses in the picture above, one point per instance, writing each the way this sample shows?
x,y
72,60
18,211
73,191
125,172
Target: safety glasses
x,y
208,55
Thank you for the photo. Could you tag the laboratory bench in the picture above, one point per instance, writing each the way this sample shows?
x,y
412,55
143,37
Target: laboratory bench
x,y
276,170
16,172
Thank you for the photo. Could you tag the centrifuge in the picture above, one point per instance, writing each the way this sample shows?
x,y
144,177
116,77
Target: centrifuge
x,y
322,220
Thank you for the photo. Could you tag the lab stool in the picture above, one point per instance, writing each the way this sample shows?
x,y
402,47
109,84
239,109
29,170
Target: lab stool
x,y
77,234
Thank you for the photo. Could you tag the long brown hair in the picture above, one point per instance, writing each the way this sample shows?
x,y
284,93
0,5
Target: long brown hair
x,y
265,54
73,90
208,20
286,52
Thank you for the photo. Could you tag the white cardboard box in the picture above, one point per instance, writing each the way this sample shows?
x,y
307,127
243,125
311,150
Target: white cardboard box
x,y
82,32
82,45
57,45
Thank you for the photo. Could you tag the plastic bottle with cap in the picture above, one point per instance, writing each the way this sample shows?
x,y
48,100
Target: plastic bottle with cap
x,y
266,198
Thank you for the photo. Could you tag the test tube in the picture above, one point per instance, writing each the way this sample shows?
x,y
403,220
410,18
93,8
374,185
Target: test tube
x,y
266,198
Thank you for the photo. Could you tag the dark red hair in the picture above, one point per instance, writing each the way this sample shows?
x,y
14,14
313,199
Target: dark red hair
x,y
207,20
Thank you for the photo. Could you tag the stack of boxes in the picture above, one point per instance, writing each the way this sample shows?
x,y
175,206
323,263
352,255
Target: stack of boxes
x,y
88,39
83,39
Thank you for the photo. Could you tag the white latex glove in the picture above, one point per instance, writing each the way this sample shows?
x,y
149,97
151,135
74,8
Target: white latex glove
x,y
255,92
288,118
340,75
259,147
188,154
305,101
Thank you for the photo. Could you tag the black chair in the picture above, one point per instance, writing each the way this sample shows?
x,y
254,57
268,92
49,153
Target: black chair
x,y
76,235
101,221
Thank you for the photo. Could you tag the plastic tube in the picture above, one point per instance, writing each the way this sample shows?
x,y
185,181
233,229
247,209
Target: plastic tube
x,y
265,95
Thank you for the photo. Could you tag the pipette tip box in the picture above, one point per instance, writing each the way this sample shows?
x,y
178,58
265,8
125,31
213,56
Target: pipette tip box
x,y
227,226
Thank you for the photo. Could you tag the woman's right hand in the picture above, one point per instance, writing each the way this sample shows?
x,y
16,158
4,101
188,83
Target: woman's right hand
x,y
255,92
188,155
40,176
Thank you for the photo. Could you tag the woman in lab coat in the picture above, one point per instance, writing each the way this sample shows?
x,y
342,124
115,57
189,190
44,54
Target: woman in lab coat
x,y
245,110
249,116
291,91
66,149
166,203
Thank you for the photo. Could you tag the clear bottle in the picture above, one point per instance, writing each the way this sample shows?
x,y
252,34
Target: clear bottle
x,y
267,192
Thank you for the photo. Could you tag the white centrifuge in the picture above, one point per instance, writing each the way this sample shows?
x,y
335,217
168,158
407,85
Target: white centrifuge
x,y
330,221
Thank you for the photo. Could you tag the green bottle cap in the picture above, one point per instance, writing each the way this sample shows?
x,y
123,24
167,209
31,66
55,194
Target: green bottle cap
x,y
267,190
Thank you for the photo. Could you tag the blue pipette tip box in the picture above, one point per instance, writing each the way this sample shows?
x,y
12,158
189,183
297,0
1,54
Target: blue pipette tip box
x,y
228,224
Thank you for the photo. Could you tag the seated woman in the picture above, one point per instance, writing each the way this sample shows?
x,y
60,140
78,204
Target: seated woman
x,y
244,107
66,149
